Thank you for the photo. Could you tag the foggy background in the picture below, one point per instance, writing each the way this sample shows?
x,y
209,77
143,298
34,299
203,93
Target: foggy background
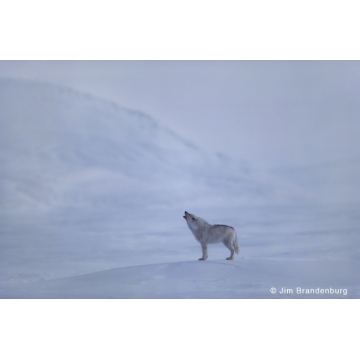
x,y
269,113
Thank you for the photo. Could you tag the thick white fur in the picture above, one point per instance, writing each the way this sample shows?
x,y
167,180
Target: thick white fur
x,y
212,234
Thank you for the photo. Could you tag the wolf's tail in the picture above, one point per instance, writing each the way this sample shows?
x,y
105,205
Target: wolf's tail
x,y
236,245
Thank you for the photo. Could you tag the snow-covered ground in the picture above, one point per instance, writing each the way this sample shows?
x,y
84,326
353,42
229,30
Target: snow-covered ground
x,y
92,197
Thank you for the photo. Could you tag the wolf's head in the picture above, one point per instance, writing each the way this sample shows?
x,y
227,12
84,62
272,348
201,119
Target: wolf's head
x,y
192,220
188,215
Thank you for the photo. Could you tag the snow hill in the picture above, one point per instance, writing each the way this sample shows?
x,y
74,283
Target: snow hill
x,y
62,149
92,197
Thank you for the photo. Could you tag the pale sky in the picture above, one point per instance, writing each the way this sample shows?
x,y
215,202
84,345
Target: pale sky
x,y
269,113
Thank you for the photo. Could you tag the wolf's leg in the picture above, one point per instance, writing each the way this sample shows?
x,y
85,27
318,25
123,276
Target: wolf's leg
x,y
204,252
230,246
231,255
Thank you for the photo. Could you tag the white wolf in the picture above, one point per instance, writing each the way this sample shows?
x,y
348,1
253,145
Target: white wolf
x,y
212,234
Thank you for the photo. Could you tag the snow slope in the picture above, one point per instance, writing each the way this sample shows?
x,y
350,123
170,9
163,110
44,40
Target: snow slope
x,y
203,280
92,197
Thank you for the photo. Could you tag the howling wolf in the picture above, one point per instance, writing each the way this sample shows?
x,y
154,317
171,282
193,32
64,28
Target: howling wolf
x,y
212,234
